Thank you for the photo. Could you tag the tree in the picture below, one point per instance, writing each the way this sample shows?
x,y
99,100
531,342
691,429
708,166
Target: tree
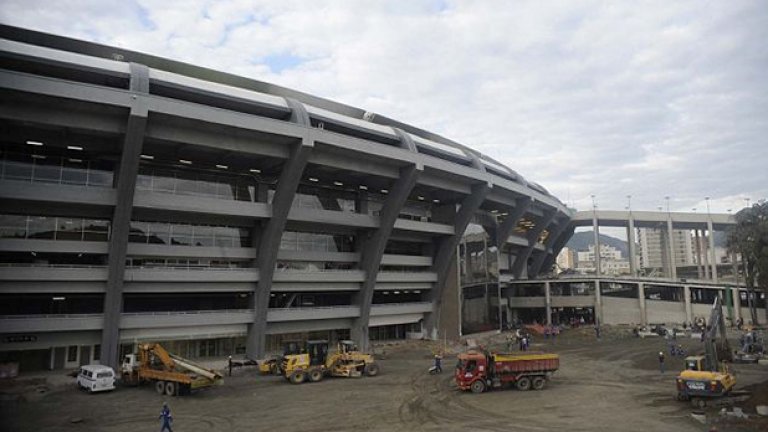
x,y
749,237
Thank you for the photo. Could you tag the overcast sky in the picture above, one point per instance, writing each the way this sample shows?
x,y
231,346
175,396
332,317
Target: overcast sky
x,y
648,99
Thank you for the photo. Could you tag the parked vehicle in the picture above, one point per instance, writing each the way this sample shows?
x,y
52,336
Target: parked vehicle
x,y
171,374
313,362
96,378
481,370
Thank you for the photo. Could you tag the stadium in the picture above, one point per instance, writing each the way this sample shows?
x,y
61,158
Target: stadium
x,y
147,199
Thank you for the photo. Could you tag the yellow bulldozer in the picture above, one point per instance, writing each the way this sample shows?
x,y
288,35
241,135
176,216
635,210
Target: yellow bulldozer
x,y
313,362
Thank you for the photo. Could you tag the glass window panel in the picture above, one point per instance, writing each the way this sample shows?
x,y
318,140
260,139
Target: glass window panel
x,y
144,179
99,177
18,167
181,235
208,185
245,237
69,229
47,170
13,226
203,236
74,173
187,184
41,227
288,240
159,233
96,230
164,181
138,232
227,189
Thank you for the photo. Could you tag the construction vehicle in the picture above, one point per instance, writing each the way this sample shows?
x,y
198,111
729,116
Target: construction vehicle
x,y
479,370
172,375
313,362
707,376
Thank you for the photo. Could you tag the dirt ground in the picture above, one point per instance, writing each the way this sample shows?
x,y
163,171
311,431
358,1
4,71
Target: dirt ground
x,y
612,384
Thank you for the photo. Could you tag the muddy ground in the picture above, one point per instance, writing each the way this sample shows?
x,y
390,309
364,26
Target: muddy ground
x,y
612,384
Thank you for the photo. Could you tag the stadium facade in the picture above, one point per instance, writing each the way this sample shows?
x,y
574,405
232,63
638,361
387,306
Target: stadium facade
x,y
148,199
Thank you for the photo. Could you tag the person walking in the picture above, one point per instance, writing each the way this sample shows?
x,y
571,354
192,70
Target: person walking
x,y
438,363
661,361
166,417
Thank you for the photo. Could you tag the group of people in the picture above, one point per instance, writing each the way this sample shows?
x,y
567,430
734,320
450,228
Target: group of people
x,y
521,338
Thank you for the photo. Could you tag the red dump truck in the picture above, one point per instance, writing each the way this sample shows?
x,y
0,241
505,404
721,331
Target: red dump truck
x,y
480,370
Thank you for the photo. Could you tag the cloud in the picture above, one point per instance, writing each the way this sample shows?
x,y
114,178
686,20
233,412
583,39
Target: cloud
x,y
668,99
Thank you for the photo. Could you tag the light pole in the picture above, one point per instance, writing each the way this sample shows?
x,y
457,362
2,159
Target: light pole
x,y
666,198
707,200
747,201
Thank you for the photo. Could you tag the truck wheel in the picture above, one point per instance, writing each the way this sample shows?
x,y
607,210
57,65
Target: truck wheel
x,y
315,375
170,388
160,387
297,377
523,384
477,386
371,369
538,383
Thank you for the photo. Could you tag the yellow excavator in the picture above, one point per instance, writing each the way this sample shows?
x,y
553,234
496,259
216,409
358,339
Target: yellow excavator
x,y
314,362
707,376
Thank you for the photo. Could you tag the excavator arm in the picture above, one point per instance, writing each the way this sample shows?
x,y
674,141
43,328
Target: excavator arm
x,y
715,348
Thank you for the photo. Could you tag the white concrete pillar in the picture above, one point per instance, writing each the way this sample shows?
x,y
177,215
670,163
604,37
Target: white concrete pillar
x,y
671,237
688,306
598,303
596,231
736,300
632,251
548,298
641,298
713,256
705,256
697,245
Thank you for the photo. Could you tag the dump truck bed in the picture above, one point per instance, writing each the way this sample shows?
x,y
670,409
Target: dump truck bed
x,y
531,362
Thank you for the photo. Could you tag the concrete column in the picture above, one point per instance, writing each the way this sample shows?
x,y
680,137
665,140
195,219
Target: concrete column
x,y
373,247
549,245
121,216
446,251
548,298
521,261
512,219
269,243
598,303
641,298
632,251
596,232
562,239
688,306
705,255
699,271
671,240
735,289
713,255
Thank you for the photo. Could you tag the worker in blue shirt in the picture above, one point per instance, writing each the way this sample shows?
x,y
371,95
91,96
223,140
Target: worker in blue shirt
x,y
167,418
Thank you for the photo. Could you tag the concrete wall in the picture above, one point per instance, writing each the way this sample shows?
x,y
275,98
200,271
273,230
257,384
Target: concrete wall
x,y
621,310
665,311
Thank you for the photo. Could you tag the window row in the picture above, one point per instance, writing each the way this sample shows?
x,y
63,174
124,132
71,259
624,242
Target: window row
x,y
185,263
53,228
189,235
195,183
40,168
304,241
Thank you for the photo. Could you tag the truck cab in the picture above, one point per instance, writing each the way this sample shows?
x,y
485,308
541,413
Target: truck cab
x,y
471,368
96,378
